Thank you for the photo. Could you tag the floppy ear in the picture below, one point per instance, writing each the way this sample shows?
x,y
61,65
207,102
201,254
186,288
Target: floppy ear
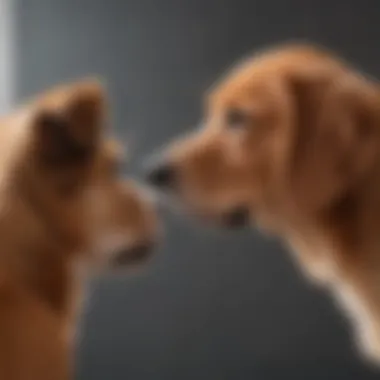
x,y
336,136
68,126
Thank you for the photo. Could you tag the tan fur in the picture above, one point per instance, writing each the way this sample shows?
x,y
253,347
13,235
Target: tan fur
x,y
306,161
61,195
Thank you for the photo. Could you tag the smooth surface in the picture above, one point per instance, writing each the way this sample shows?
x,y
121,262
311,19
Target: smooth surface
x,y
7,57
212,305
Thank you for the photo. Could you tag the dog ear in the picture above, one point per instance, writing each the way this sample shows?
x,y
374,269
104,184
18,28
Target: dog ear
x,y
68,124
336,136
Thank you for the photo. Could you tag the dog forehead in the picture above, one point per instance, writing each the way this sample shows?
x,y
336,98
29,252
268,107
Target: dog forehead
x,y
264,70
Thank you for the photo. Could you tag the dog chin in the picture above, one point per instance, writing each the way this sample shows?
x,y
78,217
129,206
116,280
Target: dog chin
x,y
266,225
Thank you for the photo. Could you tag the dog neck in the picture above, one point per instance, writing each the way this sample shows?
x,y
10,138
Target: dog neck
x,y
30,256
341,237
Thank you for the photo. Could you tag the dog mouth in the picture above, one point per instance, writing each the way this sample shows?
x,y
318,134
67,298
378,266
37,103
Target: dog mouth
x,y
136,254
233,218
117,251
175,196
236,218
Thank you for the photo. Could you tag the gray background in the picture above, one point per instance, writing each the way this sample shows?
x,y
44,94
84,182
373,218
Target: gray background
x,y
212,305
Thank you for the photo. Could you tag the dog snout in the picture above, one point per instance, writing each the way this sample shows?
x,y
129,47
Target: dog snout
x,y
161,175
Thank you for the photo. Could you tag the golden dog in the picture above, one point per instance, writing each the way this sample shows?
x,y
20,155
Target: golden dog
x,y
291,141
63,209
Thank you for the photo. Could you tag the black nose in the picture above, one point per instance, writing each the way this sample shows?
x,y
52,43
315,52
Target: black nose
x,y
161,175
236,218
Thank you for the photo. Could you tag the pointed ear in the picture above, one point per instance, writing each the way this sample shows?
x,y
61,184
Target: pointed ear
x,y
336,137
68,123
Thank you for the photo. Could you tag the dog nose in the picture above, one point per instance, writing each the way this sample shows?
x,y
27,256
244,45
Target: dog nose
x,y
238,217
161,175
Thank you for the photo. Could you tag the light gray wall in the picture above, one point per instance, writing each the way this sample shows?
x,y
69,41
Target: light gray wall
x,y
212,306
7,58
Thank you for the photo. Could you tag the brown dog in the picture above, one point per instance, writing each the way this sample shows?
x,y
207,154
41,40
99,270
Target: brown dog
x,y
63,208
291,140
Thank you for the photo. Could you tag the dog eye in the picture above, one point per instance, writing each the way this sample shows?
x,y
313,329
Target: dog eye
x,y
236,118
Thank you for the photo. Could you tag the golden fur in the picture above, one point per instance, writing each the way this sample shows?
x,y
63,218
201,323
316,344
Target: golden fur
x,y
63,209
303,155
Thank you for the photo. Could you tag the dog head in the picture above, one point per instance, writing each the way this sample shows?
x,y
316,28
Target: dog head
x,y
285,135
61,186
